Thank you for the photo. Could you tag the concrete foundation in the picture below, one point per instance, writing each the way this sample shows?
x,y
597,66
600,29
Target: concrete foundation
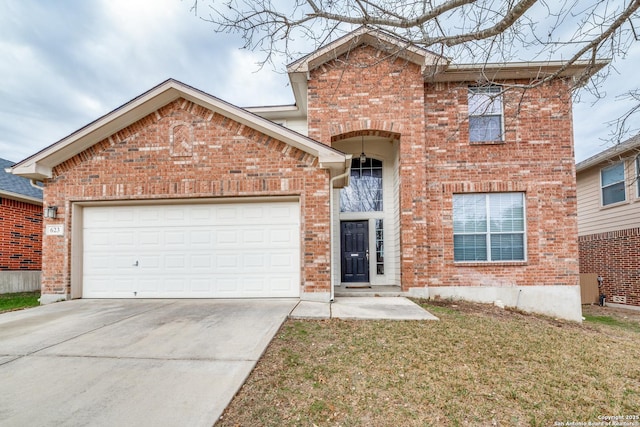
x,y
562,302
51,298
315,296
19,281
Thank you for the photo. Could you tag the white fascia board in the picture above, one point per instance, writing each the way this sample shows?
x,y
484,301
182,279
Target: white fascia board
x,y
324,153
20,197
514,70
276,112
40,165
363,35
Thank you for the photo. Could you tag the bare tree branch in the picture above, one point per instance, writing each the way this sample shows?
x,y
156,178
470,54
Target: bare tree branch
x,y
465,31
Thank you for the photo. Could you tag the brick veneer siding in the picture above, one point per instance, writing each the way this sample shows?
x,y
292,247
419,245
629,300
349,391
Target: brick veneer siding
x,y
367,93
21,235
147,161
615,256
536,158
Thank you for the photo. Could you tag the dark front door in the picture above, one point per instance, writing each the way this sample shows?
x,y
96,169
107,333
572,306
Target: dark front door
x,y
354,247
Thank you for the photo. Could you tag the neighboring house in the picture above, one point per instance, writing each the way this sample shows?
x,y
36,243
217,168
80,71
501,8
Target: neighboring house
x,y
20,232
609,221
464,189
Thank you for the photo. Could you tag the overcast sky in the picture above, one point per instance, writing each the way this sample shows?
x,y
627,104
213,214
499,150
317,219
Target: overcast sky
x,y
65,63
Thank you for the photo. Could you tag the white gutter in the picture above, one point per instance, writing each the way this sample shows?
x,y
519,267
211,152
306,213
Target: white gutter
x,y
331,226
20,197
34,185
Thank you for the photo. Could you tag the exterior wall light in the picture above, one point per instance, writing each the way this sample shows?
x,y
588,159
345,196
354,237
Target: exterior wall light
x,y
51,212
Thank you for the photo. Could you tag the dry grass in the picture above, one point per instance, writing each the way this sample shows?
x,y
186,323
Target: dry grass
x,y
478,366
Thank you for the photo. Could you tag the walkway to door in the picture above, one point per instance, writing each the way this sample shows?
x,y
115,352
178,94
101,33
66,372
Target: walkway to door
x,y
362,308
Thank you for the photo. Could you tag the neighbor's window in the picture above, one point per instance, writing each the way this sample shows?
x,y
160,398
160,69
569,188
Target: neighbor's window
x,y
488,227
364,193
485,113
612,179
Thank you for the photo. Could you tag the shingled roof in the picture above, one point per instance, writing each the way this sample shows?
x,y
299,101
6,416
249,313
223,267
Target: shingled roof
x,y
17,187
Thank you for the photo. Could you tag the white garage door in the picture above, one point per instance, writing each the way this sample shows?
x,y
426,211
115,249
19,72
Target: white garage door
x,y
192,251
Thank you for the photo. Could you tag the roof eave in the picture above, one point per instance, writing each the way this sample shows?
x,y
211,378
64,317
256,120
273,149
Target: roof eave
x,y
517,70
621,150
20,197
40,165
358,37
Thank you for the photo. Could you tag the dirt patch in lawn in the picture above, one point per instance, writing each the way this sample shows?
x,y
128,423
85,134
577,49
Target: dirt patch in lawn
x,y
479,365
622,314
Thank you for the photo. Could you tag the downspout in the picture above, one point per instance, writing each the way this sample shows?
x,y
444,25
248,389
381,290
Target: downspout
x,y
332,226
34,184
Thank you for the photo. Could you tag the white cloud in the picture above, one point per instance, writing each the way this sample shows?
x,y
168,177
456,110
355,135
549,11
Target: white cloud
x,y
66,63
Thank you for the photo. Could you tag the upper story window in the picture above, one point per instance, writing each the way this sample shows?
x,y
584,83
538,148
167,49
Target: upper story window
x,y
489,227
485,114
612,184
364,193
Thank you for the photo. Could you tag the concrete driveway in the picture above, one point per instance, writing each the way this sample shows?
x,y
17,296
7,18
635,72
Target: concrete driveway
x,y
130,362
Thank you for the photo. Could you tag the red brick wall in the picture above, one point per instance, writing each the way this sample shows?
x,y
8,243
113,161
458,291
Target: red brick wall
x,y
615,256
372,94
224,159
366,92
536,158
20,235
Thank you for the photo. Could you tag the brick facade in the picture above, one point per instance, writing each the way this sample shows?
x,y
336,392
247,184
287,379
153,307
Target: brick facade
x,y
184,151
146,161
21,235
536,158
615,256
367,94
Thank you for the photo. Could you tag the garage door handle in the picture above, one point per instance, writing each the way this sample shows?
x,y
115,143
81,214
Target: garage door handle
x,y
136,264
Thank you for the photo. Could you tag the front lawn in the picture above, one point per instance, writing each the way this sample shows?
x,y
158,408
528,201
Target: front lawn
x,y
478,366
19,300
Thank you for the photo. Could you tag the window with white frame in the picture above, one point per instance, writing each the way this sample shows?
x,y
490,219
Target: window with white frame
x,y
489,227
364,193
485,113
612,184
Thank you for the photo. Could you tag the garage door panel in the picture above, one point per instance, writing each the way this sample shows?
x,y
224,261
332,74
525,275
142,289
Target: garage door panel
x,y
281,237
97,239
201,239
175,285
148,238
100,264
150,285
201,286
149,215
192,251
282,262
201,263
174,262
124,217
146,263
279,285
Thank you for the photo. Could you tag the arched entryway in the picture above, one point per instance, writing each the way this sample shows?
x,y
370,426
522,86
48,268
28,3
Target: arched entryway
x,y
366,219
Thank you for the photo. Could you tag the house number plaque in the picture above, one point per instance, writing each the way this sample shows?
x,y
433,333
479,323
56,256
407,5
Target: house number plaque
x,y
54,230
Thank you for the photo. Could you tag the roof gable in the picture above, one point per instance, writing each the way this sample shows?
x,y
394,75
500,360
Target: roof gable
x,y
41,164
380,40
